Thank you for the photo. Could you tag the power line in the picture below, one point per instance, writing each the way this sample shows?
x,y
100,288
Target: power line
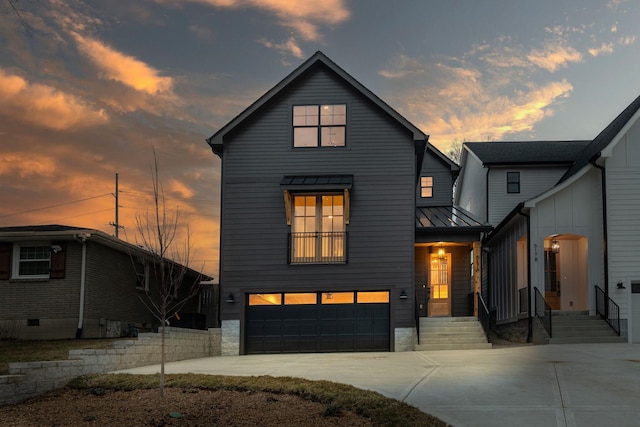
x,y
142,193
55,206
76,216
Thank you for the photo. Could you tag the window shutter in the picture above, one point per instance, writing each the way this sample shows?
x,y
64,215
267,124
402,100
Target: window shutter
x,y
57,261
5,260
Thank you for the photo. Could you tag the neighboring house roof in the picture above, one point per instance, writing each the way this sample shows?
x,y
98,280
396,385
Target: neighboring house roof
x,y
216,141
506,153
605,137
64,232
451,218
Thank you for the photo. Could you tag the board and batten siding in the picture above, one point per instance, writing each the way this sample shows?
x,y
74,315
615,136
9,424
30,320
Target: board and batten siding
x,y
472,188
380,155
623,215
533,182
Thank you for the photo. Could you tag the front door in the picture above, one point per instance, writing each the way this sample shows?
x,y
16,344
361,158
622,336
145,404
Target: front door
x,y
551,280
439,285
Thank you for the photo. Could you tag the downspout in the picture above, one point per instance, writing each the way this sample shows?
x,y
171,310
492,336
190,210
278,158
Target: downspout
x,y
529,317
83,268
605,236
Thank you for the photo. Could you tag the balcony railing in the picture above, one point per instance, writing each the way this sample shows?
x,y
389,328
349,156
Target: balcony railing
x,y
543,312
607,309
318,248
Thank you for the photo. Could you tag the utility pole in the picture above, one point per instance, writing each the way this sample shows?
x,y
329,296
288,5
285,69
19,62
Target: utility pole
x,y
116,225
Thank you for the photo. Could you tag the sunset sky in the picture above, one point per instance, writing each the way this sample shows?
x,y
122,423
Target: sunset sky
x,y
91,87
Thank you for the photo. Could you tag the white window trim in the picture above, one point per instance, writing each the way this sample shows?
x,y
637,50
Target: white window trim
x,y
15,270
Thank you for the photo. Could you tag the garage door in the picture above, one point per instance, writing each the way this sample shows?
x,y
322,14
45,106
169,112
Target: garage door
x,y
317,322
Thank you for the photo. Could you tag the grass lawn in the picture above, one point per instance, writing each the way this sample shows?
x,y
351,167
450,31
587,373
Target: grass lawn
x,y
35,351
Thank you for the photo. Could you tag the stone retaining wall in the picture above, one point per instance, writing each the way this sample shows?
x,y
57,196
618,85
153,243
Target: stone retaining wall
x,y
30,379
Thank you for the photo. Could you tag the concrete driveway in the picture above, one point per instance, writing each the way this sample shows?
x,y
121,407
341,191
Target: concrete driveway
x,y
553,385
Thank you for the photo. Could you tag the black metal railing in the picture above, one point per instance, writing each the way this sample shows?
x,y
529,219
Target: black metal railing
x,y
608,310
543,312
416,314
483,314
317,247
524,300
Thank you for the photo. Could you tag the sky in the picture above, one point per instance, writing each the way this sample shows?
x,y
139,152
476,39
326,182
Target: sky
x,y
89,89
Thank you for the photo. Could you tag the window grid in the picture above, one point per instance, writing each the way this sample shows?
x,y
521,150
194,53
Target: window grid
x,y
513,182
426,186
319,125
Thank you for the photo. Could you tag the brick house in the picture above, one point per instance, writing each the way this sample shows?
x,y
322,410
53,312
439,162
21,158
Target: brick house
x,y
59,282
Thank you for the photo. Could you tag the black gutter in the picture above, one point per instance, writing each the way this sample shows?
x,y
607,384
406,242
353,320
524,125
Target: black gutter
x,y
529,318
605,235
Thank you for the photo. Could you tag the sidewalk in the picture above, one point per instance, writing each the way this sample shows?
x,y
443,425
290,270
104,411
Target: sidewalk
x,y
579,385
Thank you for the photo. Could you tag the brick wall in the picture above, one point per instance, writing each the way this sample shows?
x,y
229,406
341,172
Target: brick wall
x,y
30,379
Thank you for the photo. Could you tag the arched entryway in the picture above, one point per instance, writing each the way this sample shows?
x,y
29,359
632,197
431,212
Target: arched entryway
x,y
565,272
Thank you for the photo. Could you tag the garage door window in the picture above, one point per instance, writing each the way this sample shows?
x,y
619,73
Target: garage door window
x,y
337,298
300,299
373,297
265,299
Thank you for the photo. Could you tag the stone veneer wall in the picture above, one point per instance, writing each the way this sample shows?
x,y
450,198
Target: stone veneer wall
x,y
30,379
230,341
405,339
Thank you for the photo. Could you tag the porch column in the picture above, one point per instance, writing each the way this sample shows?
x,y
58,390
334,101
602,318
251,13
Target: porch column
x,y
477,280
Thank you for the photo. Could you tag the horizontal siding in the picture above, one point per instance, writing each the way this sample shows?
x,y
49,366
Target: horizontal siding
x,y
533,182
380,156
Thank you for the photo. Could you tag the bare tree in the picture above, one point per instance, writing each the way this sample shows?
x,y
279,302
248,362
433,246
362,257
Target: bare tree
x,y
455,151
169,289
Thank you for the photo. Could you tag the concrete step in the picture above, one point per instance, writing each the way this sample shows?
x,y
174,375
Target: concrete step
x,y
579,327
452,346
451,333
587,340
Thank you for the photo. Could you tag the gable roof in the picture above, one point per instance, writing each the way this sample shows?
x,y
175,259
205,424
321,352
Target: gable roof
x,y
601,141
508,153
65,232
216,141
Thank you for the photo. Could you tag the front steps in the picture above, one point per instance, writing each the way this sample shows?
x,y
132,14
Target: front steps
x,y
574,327
451,333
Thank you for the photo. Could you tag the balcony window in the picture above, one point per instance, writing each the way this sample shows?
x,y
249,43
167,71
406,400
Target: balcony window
x,y
318,229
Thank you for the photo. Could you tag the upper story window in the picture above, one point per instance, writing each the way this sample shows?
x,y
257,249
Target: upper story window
x,y
319,125
426,186
318,229
32,261
513,182
142,275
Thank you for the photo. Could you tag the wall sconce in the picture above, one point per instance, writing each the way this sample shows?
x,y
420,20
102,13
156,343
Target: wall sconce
x,y
441,253
231,299
403,294
621,285
555,246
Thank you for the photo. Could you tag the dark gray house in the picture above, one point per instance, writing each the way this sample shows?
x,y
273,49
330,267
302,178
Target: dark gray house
x,y
60,282
337,223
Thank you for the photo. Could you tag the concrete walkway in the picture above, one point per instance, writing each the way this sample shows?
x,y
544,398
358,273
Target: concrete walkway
x,y
554,385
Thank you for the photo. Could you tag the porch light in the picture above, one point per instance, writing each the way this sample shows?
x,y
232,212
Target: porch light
x,y
231,299
403,294
555,246
441,253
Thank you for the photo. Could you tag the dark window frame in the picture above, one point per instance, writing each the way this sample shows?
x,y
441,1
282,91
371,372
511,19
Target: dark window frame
x,y
513,182
318,125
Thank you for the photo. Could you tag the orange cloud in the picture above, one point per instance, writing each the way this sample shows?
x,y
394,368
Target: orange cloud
x,y
302,16
604,48
554,56
44,105
122,68
462,103
290,46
